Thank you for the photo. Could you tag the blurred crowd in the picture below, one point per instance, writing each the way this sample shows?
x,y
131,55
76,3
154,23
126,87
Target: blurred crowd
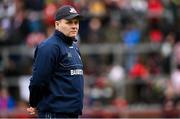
x,y
150,77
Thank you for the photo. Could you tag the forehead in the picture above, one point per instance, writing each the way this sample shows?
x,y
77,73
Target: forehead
x,y
70,20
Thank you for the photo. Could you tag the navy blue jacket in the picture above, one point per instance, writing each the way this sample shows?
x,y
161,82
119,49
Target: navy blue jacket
x,y
57,80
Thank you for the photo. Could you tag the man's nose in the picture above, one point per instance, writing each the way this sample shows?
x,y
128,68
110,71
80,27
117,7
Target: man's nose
x,y
74,26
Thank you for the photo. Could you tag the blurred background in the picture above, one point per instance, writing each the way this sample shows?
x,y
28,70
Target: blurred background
x,y
130,50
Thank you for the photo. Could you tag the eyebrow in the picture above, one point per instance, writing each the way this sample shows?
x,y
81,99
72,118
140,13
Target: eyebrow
x,y
73,20
68,21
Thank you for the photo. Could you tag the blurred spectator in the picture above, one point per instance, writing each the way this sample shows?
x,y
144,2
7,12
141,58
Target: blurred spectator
x,y
97,8
117,76
1,63
11,65
95,31
66,2
154,63
7,8
155,8
49,12
172,94
139,70
14,61
23,87
6,101
139,5
176,52
3,81
140,74
116,73
131,37
102,93
34,38
112,32
175,81
155,35
166,51
34,5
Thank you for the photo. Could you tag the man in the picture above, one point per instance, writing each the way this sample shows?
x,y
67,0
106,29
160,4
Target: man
x,y
56,86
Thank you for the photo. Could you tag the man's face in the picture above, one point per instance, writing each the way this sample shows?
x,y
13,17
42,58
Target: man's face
x,y
68,27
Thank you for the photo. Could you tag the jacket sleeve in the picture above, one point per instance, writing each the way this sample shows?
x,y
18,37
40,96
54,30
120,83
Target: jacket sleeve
x,y
43,68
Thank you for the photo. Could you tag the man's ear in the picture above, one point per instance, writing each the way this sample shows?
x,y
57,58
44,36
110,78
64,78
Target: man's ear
x,y
56,23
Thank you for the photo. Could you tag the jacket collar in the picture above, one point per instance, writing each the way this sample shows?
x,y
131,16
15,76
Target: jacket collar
x,y
67,40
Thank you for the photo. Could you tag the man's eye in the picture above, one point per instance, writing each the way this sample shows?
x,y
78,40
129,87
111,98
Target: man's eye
x,y
68,22
76,22
72,22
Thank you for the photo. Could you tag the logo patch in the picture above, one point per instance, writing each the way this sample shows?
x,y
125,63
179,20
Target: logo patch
x,y
69,55
72,10
76,72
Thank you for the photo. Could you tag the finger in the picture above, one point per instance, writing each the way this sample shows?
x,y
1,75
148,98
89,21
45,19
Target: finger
x,y
31,110
32,113
27,109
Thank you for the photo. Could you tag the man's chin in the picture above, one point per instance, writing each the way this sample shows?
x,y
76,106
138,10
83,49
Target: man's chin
x,y
72,36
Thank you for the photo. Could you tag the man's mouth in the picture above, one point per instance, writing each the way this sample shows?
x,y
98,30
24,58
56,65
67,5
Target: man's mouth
x,y
73,31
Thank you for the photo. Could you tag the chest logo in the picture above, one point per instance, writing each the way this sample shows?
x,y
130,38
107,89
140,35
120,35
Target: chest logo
x,y
69,55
